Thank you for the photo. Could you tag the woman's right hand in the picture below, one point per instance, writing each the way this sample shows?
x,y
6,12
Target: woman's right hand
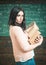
x,y
39,39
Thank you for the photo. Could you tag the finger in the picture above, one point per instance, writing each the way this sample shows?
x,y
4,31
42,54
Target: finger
x,y
38,37
36,41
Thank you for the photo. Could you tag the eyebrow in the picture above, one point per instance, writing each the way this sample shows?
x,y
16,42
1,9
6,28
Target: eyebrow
x,y
19,15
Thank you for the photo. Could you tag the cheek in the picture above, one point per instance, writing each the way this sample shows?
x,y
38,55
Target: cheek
x,y
17,18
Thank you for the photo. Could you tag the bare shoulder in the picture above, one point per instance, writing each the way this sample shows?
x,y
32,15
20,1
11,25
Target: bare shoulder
x,y
17,30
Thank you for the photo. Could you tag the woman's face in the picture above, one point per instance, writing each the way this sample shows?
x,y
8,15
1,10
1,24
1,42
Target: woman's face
x,y
20,16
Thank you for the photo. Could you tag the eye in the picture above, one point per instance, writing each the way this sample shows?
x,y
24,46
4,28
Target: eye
x,y
18,15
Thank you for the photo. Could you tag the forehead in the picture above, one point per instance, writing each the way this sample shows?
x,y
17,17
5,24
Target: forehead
x,y
21,12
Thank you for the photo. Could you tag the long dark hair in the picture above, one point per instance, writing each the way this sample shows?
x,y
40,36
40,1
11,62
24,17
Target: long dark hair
x,y
12,18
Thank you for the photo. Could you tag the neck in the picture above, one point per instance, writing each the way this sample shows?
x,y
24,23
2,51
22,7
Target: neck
x,y
18,24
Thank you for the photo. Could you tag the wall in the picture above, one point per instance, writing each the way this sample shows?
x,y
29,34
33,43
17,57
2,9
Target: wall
x,y
33,12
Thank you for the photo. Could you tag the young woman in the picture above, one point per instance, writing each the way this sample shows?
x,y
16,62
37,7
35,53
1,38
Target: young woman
x,y
22,50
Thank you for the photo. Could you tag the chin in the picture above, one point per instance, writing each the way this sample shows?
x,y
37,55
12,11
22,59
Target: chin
x,y
20,22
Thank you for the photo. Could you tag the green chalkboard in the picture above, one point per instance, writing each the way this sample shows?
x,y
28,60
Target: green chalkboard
x,y
33,12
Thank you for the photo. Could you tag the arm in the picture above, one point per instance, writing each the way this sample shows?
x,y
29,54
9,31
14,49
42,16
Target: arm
x,y
22,41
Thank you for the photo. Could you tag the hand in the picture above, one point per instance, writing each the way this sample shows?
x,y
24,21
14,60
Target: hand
x,y
39,39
